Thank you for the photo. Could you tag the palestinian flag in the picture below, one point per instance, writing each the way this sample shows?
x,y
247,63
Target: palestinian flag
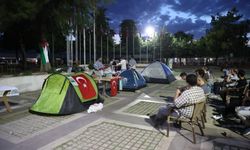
x,y
44,52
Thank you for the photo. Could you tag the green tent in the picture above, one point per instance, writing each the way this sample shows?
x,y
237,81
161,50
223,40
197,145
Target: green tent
x,y
66,94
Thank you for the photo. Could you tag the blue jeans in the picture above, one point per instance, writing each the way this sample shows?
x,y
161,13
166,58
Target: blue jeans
x,y
165,111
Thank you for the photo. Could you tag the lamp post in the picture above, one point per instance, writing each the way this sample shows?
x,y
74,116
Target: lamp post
x,y
120,45
147,49
150,31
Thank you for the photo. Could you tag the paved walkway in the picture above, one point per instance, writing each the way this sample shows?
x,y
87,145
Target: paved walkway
x,y
121,125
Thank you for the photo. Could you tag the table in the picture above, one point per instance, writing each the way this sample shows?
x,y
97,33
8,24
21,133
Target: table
x,y
104,80
5,92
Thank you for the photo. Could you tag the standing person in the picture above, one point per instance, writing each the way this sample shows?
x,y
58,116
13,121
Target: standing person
x,y
98,65
132,63
112,64
182,106
123,64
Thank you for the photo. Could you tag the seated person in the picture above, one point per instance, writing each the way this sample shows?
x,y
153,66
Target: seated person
x,y
183,105
202,83
183,75
237,89
230,80
243,112
246,98
233,76
208,75
200,73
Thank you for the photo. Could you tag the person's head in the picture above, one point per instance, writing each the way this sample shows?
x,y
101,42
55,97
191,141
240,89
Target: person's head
x,y
234,71
183,75
191,79
205,68
241,73
200,81
200,72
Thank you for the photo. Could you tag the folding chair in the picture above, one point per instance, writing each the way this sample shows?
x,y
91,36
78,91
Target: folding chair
x,y
194,120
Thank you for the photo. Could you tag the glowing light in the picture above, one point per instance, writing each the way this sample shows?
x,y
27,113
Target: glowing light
x,y
117,39
150,31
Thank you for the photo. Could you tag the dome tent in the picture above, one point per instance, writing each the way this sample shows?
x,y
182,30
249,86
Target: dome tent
x,y
66,94
132,80
158,72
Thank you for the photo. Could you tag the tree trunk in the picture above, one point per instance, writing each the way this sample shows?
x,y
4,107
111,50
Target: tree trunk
x,y
216,60
17,56
23,53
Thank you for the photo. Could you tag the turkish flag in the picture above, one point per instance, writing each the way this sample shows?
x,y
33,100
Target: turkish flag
x,y
85,86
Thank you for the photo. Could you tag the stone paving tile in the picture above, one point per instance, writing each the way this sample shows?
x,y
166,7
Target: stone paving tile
x,y
109,100
144,108
33,94
13,116
112,136
29,125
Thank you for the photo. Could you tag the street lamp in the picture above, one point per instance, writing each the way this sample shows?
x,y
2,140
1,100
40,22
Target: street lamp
x,y
150,32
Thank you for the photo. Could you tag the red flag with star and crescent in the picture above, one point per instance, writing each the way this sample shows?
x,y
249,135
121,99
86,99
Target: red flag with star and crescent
x,y
86,88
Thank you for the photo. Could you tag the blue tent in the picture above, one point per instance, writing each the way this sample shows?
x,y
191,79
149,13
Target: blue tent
x,y
158,72
132,80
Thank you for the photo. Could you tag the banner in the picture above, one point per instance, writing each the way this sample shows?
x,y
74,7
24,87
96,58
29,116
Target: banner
x,y
85,86
44,52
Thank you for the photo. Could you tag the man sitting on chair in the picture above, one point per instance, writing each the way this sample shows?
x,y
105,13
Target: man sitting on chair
x,y
183,105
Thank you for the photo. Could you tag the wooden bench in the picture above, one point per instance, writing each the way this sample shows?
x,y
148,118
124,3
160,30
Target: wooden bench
x,y
5,92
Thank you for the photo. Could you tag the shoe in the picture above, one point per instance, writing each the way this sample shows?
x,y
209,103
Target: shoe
x,y
217,117
154,121
247,132
224,133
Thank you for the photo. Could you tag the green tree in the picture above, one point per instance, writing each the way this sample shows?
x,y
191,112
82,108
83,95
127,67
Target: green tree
x,y
182,44
128,30
228,34
103,31
16,17
166,44
41,19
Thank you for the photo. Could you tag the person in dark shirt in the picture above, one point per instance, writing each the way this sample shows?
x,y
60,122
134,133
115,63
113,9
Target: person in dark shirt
x,y
237,89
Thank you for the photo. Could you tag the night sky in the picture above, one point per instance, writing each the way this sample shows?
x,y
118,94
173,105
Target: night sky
x,y
190,16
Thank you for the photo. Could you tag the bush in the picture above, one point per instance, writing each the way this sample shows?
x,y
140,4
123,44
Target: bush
x,y
27,73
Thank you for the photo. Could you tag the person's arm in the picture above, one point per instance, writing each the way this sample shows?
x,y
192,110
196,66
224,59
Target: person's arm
x,y
177,93
181,100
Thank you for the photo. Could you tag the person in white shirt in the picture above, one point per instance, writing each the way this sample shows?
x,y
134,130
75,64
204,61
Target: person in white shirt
x,y
123,64
99,67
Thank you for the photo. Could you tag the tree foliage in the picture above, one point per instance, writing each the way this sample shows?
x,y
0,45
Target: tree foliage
x,y
27,21
228,34
128,30
182,44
